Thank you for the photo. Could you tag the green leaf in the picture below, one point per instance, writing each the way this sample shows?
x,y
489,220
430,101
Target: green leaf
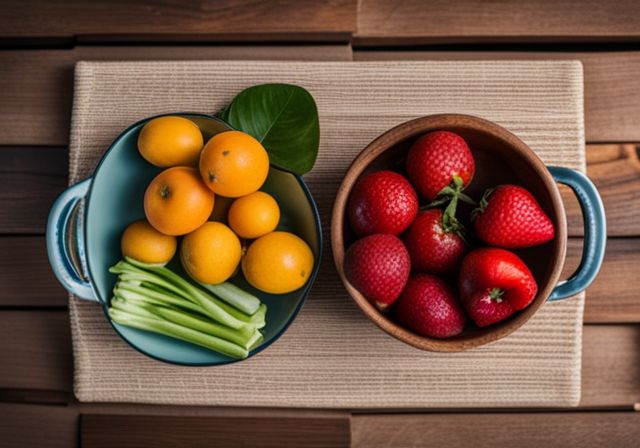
x,y
284,118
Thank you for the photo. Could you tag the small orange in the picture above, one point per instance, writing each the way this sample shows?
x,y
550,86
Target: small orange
x,y
254,215
234,164
278,263
177,201
170,141
142,242
211,254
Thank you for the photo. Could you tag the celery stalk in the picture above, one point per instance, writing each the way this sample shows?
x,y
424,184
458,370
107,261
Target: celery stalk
x,y
186,289
123,305
128,291
244,339
179,332
153,298
230,293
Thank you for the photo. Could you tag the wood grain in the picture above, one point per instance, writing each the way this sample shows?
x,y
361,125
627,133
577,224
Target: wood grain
x,y
59,426
36,110
611,84
26,278
613,296
382,22
207,20
30,180
610,365
567,429
141,431
35,350
31,426
615,170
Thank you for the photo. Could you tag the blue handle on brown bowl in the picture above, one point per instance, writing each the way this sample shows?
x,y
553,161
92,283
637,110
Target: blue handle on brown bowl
x,y
595,232
59,234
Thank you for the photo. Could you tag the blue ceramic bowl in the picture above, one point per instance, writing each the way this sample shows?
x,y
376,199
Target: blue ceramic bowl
x,y
87,220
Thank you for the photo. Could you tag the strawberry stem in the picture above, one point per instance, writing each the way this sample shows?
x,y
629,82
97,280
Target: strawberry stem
x,y
451,194
484,202
496,294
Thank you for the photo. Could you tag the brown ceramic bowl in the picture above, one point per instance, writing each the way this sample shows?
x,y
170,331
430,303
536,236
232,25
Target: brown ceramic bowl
x,y
500,158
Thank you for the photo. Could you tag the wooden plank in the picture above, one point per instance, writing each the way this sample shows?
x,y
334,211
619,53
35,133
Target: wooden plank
x,y
36,109
37,396
610,365
35,350
208,20
141,431
615,170
611,84
381,22
613,296
566,429
28,426
30,180
26,278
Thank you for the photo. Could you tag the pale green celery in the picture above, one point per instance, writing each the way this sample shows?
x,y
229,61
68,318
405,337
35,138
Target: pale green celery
x,y
130,272
210,304
256,340
243,338
181,283
128,291
143,302
239,298
213,309
256,320
137,309
179,332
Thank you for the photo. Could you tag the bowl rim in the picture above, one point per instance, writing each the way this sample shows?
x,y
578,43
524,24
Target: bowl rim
x,y
411,129
305,290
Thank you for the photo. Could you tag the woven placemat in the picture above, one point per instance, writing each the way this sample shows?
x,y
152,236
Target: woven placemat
x,y
332,356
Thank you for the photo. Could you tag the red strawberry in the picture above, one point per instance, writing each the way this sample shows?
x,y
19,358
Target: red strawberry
x,y
428,307
378,266
510,217
434,247
436,159
494,283
382,202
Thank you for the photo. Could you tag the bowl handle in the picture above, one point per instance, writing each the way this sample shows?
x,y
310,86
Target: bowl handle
x,y
60,237
595,232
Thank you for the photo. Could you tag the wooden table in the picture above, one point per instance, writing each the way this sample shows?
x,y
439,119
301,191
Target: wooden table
x,y
41,41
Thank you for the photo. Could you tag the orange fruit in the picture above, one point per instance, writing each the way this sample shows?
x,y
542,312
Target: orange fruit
x,y
254,215
177,201
221,209
170,141
211,253
278,263
142,242
234,164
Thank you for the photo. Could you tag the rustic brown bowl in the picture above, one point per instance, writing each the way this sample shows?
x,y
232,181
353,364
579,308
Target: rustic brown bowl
x,y
500,158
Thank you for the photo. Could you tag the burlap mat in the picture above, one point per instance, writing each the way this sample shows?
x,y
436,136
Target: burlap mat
x,y
332,356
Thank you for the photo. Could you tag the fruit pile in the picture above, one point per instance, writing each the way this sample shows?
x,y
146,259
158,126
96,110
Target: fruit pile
x,y
209,195
419,265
